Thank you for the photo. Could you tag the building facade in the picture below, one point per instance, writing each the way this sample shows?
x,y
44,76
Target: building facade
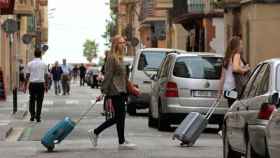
x,y
31,17
248,20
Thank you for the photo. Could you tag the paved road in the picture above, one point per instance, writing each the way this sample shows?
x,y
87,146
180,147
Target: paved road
x,y
24,142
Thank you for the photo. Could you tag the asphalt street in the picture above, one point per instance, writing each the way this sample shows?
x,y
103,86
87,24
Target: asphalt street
x,y
24,140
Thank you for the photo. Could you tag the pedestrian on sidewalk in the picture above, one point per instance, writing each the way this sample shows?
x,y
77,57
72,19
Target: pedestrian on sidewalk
x,y
232,63
37,73
82,70
56,72
115,87
65,78
22,77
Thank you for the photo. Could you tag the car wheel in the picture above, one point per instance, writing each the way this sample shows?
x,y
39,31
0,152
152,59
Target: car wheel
x,y
131,109
250,152
227,151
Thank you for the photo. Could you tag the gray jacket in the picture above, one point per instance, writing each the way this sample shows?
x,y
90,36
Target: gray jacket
x,y
115,78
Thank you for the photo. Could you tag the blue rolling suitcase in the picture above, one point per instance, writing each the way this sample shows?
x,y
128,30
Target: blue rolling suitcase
x,y
62,129
56,134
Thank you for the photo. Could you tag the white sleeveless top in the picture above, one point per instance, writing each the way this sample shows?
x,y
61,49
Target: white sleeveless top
x,y
229,83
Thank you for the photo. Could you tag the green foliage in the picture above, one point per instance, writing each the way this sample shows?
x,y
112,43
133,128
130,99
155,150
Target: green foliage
x,y
111,24
90,49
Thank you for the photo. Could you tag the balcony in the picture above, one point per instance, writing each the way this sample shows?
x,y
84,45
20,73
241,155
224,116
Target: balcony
x,y
193,9
146,9
24,7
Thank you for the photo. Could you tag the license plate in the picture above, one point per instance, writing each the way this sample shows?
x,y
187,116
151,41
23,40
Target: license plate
x,y
205,94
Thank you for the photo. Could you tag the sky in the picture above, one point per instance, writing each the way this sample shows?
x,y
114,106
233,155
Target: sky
x,y
71,22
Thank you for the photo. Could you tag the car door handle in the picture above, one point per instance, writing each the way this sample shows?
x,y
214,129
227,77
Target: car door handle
x,y
147,82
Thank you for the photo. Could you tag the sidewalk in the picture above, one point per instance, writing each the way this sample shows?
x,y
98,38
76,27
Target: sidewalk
x,y
6,113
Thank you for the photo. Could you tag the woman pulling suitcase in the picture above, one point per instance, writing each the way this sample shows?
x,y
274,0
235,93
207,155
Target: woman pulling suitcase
x,y
115,86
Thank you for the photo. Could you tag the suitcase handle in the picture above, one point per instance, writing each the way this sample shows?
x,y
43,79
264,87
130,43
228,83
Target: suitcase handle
x,y
212,109
98,99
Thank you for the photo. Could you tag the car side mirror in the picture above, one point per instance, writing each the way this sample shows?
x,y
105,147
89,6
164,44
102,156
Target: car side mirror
x,y
231,94
274,99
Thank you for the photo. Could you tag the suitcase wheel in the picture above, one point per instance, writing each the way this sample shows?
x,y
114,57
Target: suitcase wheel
x,y
50,148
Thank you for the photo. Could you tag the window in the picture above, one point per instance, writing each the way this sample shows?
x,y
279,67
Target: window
x,y
150,61
250,82
198,67
165,67
263,82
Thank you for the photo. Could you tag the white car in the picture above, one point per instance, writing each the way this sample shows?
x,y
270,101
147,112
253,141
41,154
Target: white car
x,y
146,63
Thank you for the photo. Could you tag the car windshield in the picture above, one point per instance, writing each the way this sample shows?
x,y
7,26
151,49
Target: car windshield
x,y
198,67
150,60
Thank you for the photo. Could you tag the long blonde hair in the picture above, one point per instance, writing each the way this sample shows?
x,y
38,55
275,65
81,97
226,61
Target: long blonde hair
x,y
116,50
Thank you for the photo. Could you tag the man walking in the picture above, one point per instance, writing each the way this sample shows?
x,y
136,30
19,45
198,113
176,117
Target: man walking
x,y
82,74
56,75
37,74
65,78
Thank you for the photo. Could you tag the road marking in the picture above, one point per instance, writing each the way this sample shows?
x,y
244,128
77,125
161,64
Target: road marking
x,y
71,101
48,102
15,134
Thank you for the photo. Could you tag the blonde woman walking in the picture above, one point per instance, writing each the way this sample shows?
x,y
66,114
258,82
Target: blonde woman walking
x,y
114,86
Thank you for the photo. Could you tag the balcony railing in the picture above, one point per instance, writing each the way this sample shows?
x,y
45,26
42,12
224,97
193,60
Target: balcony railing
x,y
147,8
184,7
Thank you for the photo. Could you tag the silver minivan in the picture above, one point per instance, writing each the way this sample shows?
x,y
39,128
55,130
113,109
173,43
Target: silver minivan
x,y
185,83
145,64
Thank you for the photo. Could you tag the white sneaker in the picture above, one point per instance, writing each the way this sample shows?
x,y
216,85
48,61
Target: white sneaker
x,y
220,133
93,137
127,146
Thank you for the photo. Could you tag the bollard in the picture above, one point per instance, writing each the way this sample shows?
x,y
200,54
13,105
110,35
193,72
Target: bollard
x,y
14,100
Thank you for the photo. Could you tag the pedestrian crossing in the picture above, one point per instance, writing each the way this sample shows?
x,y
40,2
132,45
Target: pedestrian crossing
x,y
49,102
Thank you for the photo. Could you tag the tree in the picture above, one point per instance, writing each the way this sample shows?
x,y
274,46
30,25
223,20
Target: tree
x,y
90,49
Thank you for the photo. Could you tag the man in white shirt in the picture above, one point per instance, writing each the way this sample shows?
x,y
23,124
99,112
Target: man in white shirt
x,y
37,73
65,78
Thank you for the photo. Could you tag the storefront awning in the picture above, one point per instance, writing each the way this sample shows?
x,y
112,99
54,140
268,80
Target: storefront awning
x,y
7,7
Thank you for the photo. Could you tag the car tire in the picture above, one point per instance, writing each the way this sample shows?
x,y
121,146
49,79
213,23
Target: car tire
x,y
131,109
227,151
250,152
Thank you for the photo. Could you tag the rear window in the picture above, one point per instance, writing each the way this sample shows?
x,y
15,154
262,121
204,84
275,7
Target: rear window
x,y
198,67
150,61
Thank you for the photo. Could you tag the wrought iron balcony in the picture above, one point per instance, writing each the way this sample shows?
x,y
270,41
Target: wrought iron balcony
x,y
196,8
146,9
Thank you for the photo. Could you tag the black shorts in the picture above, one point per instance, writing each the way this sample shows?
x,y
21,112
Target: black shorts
x,y
21,77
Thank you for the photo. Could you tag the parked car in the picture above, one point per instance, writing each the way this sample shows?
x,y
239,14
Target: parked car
x,y
91,77
251,126
185,83
146,63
